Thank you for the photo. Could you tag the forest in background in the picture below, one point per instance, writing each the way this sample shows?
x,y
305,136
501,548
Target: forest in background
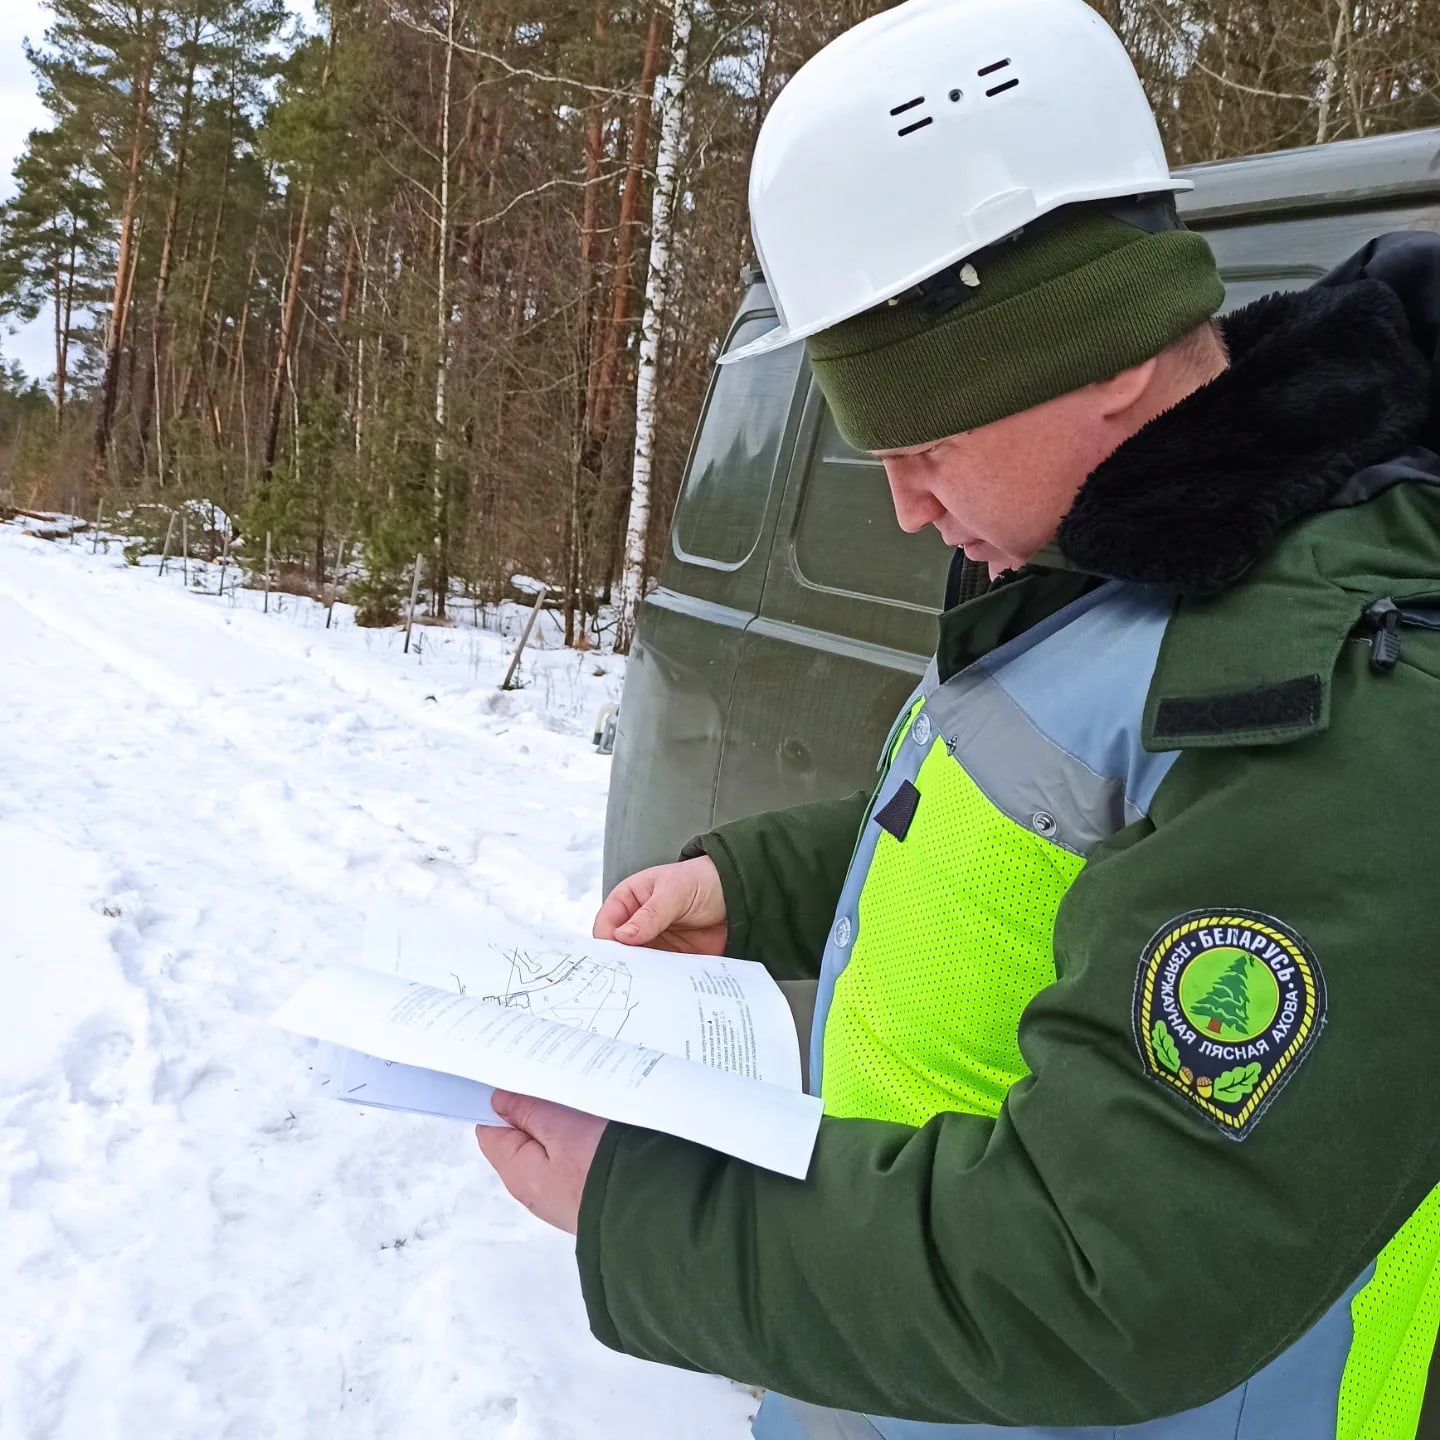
x,y
408,282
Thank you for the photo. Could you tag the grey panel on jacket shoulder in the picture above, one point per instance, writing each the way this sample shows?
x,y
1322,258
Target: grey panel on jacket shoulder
x,y
1022,771
1085,685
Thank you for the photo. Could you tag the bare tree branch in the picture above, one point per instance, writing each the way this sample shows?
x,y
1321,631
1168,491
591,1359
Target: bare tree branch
x,y
513,72
1225,80
556,183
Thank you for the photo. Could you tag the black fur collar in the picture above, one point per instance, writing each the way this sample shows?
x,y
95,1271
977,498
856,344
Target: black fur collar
x,y
1321,383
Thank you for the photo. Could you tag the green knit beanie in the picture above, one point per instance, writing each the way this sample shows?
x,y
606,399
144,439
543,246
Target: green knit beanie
x,y
1052,312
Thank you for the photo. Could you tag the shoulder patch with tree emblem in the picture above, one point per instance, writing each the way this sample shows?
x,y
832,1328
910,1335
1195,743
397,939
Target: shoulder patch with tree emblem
x,y
1226,1007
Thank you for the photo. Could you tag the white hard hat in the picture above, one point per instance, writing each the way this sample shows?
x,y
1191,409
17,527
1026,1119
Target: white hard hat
x,y
930,131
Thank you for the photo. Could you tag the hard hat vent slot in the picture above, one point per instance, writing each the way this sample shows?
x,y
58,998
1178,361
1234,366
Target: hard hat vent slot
x,y
1001,89
908,105
991,69
918,125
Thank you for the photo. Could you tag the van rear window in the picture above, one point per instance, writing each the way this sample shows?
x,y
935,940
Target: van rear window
x,y
722,504
847,538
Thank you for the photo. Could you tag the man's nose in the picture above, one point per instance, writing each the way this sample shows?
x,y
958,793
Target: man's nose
x,y
915,504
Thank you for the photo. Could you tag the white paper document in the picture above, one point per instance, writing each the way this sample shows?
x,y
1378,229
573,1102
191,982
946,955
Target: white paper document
x,y
696,1046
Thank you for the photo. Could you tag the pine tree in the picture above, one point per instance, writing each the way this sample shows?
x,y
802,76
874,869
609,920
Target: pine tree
x,y
433,275
98,71
1227,1002
52,239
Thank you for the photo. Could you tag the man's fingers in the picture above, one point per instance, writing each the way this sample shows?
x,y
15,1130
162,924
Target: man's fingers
x,y
655,915
639,928
542,1120
518,1154
612,914
620,905
500,1144
543,1161
518,1159
652,903
524,1112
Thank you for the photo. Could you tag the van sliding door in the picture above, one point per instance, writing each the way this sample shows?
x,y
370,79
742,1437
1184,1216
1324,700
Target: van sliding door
x,y
846,623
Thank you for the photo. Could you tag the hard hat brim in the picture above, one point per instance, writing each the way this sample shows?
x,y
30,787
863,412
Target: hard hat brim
x,y
783,334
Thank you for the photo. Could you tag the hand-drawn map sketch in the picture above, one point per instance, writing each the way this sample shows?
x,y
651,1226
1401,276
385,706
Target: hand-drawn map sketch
x,y
587,993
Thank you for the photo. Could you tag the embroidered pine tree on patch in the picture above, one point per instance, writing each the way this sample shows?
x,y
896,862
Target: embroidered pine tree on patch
x,y
1228,1001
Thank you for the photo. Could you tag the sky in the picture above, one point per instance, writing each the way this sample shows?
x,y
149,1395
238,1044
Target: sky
x,y
21,112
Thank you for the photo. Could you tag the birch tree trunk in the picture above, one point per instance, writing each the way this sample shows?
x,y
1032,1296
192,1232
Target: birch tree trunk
x,y
1330,73
442,322
672,104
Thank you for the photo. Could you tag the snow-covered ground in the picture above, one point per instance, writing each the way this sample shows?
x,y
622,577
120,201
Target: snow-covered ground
x,y
196,800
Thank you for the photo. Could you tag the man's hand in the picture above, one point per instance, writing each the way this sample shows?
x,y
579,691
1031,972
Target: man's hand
x,y
668,907
544,1160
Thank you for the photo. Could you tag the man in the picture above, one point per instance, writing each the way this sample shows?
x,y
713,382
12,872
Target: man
x,y
1127,972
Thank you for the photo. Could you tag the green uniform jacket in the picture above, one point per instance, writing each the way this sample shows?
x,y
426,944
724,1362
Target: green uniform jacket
x,y
1101,1253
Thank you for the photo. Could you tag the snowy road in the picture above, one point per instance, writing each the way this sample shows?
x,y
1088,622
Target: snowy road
x,y
195,800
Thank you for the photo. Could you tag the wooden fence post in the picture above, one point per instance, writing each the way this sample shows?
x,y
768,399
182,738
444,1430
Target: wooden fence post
x,y
414,590
99,521
266,610
169,535
335,585
524,638
185,548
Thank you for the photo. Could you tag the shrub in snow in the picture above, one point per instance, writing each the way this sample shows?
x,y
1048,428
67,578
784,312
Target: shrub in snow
x,y
376,599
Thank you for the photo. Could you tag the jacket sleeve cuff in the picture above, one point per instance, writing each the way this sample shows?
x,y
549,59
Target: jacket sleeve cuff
x,y
588,1248
737,907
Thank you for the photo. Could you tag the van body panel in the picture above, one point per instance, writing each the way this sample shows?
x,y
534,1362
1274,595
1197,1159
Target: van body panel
x,y
670,728
772,679
1379,171
843,632
682,666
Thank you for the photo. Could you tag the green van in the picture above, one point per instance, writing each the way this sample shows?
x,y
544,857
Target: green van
x,y
793,616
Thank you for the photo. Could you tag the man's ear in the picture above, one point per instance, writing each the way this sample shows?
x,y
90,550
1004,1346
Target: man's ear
x,y
1123,391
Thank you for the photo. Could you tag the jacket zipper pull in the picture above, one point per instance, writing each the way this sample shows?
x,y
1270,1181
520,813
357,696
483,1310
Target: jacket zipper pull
x,y
1383,619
